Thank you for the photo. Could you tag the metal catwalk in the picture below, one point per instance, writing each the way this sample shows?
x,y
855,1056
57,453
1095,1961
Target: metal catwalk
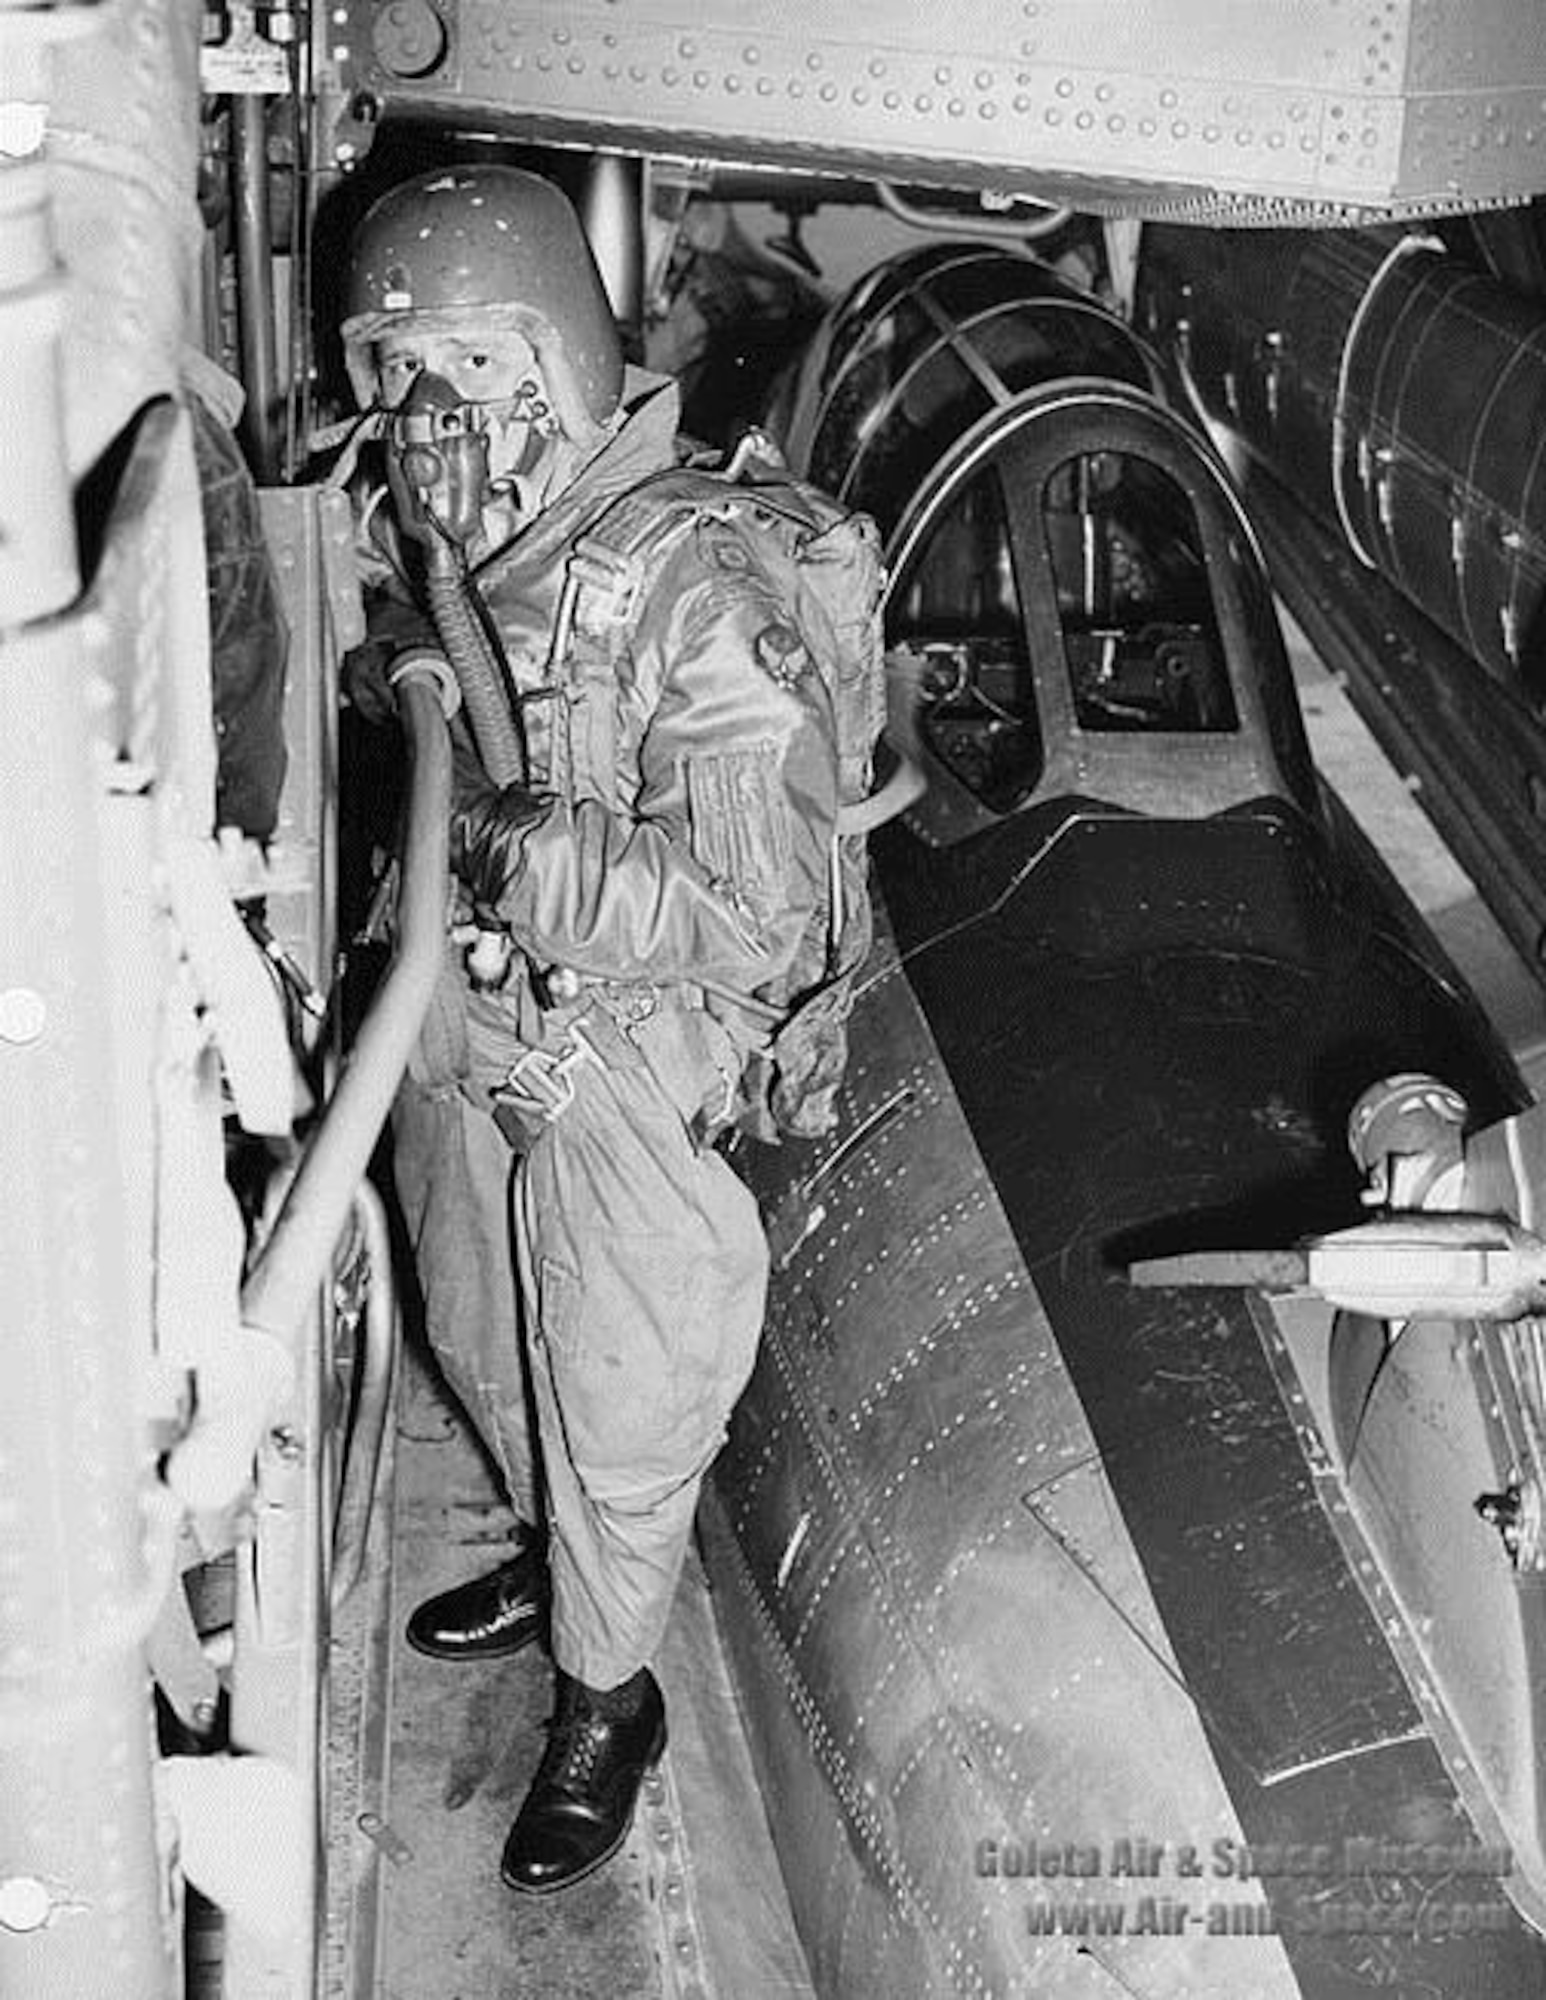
x,y
692,1908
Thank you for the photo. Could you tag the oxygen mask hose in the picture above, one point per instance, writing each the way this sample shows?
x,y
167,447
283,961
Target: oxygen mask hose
x,y
437,468
480,674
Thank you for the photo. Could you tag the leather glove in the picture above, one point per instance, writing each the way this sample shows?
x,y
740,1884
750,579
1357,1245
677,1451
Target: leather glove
x,y
488,827
363,679
396,631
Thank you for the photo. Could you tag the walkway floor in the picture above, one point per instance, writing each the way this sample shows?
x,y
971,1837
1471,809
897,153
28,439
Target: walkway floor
x,y
693,1907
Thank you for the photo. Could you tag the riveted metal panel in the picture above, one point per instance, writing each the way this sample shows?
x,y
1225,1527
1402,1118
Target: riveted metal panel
x,y
925,1565
1494,138
122,156
1486,45
76,1591
1304,107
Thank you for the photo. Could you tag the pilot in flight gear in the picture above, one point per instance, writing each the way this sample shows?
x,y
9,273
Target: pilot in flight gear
x,y
640,860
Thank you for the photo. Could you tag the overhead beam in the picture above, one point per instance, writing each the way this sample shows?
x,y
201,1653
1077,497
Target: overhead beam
x,y
1287,111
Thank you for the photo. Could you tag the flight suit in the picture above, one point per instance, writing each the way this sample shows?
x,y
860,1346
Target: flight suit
x,y
678,861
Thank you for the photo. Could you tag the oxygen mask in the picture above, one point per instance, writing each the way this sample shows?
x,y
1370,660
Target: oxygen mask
x,y
438,462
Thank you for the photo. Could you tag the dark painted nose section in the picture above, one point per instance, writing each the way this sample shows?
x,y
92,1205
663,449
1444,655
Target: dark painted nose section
x,y
1060,1678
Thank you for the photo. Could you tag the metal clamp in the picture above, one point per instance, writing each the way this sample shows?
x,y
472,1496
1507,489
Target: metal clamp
x,y
1404,1265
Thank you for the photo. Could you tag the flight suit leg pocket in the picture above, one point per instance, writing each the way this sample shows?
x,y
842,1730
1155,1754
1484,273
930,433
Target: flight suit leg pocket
x,y
722,1305
608,1339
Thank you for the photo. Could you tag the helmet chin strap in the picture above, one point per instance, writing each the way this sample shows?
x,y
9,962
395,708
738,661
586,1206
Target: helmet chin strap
x,y
534,447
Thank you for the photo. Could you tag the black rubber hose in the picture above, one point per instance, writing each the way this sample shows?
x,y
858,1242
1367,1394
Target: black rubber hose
x,y
495,722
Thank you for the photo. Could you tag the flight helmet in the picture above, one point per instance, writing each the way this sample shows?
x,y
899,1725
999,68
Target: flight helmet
x,y
503,248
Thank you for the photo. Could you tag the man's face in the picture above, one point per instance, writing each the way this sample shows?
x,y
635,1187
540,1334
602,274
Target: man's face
x,y
496,369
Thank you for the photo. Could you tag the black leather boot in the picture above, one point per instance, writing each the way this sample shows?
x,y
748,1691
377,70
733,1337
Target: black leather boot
x,y
489,1617
577,1812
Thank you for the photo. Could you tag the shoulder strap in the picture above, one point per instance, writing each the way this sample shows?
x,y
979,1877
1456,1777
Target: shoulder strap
x,y
605,580
630,537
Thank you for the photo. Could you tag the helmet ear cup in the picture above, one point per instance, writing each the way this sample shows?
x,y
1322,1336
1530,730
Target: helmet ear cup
x,y
495,239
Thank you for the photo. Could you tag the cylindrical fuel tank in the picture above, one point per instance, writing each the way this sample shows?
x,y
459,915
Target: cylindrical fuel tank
x,y
1398,392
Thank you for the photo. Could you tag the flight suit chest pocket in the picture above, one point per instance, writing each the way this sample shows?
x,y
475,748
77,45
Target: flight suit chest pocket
x,y
739,826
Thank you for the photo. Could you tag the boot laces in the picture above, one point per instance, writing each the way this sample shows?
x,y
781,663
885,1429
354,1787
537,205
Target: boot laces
x,y
511,1587
576,1739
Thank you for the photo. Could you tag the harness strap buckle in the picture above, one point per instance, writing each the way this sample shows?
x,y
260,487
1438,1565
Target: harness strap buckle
x,y
544,1078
